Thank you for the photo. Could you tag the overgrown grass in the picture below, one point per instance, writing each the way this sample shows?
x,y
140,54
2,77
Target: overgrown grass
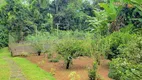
x,y
30,70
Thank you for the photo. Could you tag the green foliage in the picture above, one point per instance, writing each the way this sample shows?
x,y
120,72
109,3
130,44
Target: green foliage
x,y
66,43
38,40
74,76
3,3
24,17
69,47
129,13
123,69
73,47
111,43
99,23
14,18
110,9
40,22
133,50
128,64
70,14
3,36
92,72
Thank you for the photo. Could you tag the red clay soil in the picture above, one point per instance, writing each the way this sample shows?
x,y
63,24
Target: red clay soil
x,y
80,65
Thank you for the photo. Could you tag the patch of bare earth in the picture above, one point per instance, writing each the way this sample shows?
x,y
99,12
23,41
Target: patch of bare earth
x,y
80,66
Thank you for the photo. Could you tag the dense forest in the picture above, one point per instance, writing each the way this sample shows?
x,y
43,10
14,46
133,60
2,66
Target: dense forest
x,y
73,28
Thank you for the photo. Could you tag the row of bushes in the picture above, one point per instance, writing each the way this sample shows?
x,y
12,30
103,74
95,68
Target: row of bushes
x,y
68,44
122,47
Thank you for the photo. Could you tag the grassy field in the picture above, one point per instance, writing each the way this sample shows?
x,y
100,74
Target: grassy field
x,y
4,68
30,70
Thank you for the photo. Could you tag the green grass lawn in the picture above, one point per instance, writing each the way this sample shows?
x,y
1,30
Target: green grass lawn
x,y
30,70
4,68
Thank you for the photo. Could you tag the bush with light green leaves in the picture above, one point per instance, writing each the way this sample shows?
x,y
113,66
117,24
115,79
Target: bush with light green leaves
x,y
129,64
123,69
110,44
72,48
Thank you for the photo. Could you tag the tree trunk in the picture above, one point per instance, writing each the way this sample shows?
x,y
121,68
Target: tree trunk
x,y
39,52
68,64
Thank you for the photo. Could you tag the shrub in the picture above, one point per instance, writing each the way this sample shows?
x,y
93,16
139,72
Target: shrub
x,y
52,71
111,43
3,37
54,60
72,48
74,76
122,69
38,40
133,50
50,47
128,65
92,72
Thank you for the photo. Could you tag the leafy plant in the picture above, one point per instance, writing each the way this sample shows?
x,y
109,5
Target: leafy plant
x,y
3,36
74,76
92,72
72,48
98,24
111,43
123,69
128,64
133,50
52,71
110,10
38,41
